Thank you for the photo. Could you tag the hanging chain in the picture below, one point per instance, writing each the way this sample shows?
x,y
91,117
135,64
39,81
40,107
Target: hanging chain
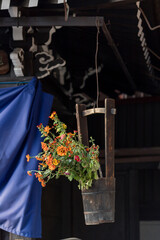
x,y
96,59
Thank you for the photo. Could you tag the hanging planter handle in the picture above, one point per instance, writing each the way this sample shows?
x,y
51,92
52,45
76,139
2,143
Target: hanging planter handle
x,y
99,200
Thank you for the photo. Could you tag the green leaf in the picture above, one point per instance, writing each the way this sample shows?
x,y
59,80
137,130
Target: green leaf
x,y
70,177
46,173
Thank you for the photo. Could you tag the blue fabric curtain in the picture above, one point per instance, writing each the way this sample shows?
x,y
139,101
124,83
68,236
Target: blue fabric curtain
x,y
21,110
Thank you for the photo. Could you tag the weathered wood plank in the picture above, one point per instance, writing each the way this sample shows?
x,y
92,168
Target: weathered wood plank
x,y
109,137
99,202
131,152
50,21
138,159
134,155
90,4
82,124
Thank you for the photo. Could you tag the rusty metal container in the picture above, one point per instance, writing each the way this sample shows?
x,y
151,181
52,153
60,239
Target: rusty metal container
x,y
99,200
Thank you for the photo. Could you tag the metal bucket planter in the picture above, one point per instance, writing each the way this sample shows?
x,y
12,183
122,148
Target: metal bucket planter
x,y
99,200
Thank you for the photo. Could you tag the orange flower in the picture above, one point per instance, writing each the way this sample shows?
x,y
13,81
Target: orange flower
x,y
52,116
38,158
28,157
87,149
38,175
70,134
64,126
67,143
44,146
69,148
49,160
52,167
47,129
39,126
29,173
62,151
40,179
43,164
53,143
43,184
55,162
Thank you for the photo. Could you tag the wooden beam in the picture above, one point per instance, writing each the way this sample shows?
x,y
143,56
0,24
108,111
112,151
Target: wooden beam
x,y
82,124
138,159
112,44
132,152
17,32
50,21
135,155
109,136
92,4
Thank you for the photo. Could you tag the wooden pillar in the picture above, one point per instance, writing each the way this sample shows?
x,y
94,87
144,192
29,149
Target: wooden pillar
x,y
109,136
82,125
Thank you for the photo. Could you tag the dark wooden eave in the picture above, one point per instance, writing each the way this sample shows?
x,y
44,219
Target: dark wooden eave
x,y
46,21
98,4
72,21
136,155
121,20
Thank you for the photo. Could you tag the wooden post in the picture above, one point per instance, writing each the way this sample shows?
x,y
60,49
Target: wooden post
x,y
82,124
109,137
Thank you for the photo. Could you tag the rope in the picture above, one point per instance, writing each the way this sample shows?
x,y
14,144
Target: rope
x,y
96,59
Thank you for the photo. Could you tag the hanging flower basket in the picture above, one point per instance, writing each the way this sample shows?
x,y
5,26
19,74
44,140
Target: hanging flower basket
x,y
73,156
64,155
